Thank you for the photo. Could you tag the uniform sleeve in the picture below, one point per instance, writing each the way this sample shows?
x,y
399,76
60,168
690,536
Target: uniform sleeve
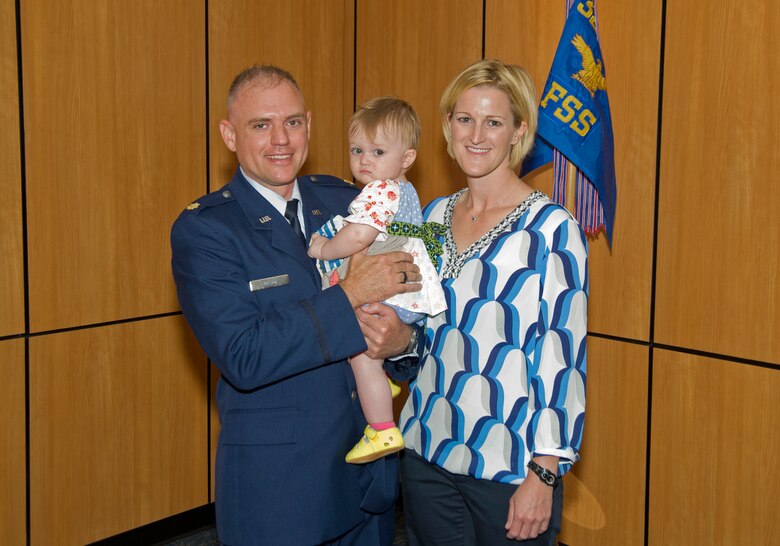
x,y
557,375
254,344
377,205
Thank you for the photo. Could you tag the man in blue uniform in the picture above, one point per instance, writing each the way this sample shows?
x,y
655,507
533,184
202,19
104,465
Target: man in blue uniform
x,y
253,297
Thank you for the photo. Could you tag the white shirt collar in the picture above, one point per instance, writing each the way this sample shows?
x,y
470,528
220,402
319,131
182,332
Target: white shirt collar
x,y
277,201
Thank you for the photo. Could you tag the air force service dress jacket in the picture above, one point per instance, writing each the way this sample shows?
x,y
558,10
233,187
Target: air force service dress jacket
x,y
286,396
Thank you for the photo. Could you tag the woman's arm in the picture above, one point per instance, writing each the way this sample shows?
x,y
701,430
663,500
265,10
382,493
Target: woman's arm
x,y
530,507
557,374
557,377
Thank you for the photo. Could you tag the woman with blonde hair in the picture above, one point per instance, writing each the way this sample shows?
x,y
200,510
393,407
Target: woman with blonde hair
x,y
495,415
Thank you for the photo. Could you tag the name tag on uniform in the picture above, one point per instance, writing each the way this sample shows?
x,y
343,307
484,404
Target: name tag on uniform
x,y
269,282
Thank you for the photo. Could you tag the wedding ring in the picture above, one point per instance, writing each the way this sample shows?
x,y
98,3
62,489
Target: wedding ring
x,y
403,281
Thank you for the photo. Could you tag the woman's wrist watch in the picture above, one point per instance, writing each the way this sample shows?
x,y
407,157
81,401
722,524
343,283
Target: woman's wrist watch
x,y
547,477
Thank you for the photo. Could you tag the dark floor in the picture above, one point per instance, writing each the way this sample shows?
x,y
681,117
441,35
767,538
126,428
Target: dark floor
x,y
200,537
208,535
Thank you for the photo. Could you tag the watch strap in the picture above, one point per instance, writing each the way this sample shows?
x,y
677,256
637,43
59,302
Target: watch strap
x,y
547,477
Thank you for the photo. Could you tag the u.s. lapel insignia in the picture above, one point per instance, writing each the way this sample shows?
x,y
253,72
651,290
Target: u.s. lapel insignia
x,y
264,219
193,206
316,212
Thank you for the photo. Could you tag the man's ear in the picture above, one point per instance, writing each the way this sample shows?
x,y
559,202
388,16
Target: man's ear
x,y
308,125
409,156
228,134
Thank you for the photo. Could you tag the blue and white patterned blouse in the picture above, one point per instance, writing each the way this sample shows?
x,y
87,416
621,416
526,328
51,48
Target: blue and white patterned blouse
x,y
503,373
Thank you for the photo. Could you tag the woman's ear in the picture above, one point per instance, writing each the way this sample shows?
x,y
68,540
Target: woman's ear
x,y
519,132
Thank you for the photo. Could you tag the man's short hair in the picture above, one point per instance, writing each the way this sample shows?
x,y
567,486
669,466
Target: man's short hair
x,y
266,75
390,114
509,78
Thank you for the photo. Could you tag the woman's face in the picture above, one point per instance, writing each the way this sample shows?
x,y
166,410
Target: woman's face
x,y
482,131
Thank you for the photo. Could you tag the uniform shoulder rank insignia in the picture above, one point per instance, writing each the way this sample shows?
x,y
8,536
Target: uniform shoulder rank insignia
x,y
328,180
193,206
591,75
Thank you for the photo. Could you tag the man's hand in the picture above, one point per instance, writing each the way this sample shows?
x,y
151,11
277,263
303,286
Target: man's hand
x,y
530,507
371,279
385,334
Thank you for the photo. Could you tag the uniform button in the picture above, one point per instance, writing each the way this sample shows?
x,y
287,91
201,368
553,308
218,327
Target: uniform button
x,y
225,194
354,394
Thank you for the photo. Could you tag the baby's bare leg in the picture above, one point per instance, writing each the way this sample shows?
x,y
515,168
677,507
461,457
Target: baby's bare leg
x,y
373,388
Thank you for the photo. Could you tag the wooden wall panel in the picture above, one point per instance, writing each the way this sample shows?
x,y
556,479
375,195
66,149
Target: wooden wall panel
x,y
12,444
418,48
115,145
621,276
533,49
11,257
715,436
311,39
718,242
604,494
117,429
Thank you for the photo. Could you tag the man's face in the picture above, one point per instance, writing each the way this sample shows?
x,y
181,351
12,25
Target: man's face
x,y
268,129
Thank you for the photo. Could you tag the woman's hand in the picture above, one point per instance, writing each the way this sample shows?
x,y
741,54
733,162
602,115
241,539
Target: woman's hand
x,y
530,507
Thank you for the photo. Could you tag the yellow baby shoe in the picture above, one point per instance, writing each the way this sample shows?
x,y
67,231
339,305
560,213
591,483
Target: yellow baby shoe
x,y
395,390
375,444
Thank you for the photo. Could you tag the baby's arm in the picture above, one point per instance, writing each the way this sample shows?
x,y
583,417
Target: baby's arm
x,y
349,240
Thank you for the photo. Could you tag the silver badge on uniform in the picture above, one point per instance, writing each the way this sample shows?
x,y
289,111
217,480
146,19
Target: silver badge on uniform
x,y
269,282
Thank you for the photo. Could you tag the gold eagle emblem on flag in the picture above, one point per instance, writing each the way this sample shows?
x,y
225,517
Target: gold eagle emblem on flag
x,y
591,75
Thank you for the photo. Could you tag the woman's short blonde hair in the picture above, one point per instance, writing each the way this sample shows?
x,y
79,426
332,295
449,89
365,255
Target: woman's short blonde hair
x,y
512,80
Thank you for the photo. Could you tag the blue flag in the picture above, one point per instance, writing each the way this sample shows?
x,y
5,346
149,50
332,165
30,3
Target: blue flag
x,y
574,120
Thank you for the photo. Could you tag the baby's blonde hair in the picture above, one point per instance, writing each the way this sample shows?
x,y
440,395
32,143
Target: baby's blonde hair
x,y
390,114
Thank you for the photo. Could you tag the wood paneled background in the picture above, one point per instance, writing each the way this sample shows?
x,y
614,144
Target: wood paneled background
x,y
109,127
12,262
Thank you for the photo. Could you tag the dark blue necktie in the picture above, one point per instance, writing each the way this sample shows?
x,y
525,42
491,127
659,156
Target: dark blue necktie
x,y
291,213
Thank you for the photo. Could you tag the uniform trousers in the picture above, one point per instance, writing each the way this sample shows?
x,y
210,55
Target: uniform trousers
x,y
376,529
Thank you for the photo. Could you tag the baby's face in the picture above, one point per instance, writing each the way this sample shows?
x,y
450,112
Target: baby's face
x,y
380,158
